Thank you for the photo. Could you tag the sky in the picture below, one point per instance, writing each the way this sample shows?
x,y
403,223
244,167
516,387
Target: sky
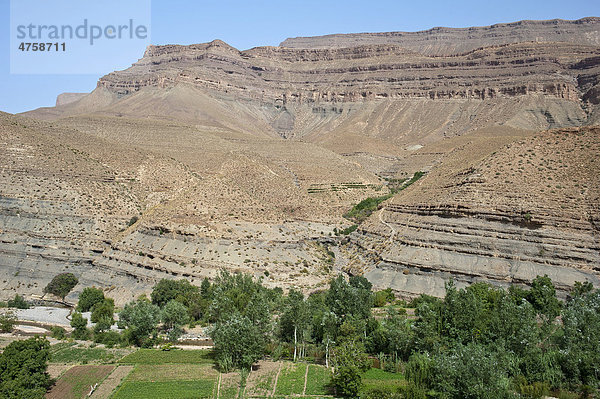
x,y
245,24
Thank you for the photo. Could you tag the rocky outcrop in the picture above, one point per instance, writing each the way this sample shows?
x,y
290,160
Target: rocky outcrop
x,y
67,98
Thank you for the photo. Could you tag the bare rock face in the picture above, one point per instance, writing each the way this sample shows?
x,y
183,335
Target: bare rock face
x,y
453,41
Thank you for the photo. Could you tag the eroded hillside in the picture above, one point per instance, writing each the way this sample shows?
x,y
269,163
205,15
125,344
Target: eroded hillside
x,y
530,208
204,157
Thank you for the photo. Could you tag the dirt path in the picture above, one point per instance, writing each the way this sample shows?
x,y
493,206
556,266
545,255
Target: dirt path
x,y
391,238
276,378
305,381
219,386
111,382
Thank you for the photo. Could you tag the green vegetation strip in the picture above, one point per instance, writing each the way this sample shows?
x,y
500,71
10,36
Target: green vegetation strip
x,y
291,380
155,356
318,380
366,207
380,379
67,352
165,389
173,372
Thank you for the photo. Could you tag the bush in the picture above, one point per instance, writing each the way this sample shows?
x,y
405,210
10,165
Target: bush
x,y
411,391
471,371
383,297
381,393
7,322
537,390
58,333
103,311
365,208
132,221
18,302
108,338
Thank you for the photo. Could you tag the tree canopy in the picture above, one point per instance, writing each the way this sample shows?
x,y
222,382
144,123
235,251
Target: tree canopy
x,y
23,367
88,298
61,285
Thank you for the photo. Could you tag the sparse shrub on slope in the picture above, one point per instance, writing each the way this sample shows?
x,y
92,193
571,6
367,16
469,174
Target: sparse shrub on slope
x,y
61,285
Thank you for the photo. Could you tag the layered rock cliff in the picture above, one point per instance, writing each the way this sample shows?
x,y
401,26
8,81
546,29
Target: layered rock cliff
x,y
531,208
451,41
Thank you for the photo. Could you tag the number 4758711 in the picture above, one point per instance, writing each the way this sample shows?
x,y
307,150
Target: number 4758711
x,y
43,46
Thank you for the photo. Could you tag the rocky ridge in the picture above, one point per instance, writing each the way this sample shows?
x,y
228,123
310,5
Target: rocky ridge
x,y
443,41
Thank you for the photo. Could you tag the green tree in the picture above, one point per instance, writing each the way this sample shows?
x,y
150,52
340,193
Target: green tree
x,y
18,302
23,367
295,320
543,298
173,316
399,333
104,311
141,319
472,372
206,288
166,290
259,313
345,299
79,323
88,298
580,342
329,324
7,321
61,285
238,343
350,361
182,291
580,288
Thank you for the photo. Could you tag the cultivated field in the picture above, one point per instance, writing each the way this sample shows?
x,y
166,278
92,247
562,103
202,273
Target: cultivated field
x,y
179,374
76,382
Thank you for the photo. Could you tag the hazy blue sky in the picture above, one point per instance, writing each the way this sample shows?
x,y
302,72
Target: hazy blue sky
x,y
246,24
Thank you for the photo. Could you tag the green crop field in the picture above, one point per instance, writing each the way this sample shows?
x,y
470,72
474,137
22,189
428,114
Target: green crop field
x,y
377,378
291,379
156,356
169,381
165,389
317,381
173,372
68,352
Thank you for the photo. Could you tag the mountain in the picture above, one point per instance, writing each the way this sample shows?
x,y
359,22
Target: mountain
x,y
203,157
